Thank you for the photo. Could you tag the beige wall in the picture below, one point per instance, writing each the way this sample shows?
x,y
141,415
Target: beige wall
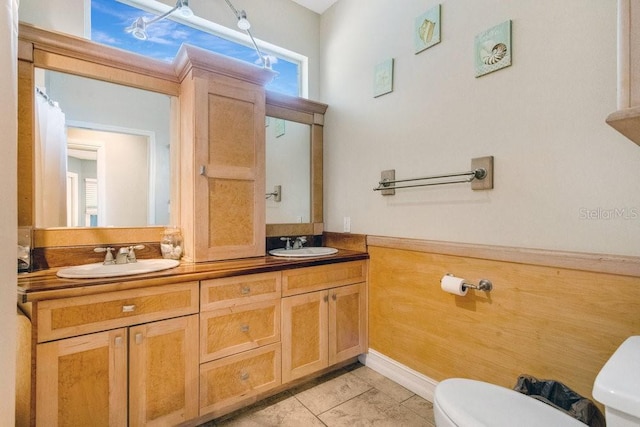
x,y
543,118
8,213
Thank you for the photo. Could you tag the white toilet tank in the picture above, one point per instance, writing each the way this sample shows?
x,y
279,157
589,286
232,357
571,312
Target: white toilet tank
x,y
617,386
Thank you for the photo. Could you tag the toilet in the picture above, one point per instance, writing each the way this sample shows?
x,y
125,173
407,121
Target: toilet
x,y
462,402
617,386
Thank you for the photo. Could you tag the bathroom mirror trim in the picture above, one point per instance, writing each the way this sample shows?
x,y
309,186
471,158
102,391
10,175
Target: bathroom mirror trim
x,y
311,113
67,54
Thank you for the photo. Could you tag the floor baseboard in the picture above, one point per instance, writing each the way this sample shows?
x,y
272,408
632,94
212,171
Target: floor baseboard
x,y
412,380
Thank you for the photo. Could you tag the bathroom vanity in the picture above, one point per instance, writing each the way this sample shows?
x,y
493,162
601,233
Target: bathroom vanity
x,y
229,325
193,343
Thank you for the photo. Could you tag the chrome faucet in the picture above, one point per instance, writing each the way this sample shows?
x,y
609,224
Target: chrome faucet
x,y
123,255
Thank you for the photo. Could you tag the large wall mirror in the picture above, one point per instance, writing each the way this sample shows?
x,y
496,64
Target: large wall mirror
x,y
102,153
294,141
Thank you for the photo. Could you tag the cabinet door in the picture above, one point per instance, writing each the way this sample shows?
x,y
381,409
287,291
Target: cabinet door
x,y
304,334
82,381
226,218
347,322
163,371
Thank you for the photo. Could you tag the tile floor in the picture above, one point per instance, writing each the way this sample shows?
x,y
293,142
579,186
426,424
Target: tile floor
x,y
353,396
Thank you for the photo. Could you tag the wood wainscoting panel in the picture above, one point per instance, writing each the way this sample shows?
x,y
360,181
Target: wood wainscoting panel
x,y
352,242
549,322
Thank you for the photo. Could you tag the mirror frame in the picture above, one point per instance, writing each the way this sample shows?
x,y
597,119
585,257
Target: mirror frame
x,y
38,48
311,113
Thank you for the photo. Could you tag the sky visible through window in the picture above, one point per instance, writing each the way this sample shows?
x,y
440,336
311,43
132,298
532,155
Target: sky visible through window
x,y
110,18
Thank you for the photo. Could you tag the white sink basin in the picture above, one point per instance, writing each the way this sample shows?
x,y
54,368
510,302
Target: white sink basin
x,y
303,252
98,270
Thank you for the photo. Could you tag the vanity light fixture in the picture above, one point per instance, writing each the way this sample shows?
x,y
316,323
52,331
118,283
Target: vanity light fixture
x,y
139,27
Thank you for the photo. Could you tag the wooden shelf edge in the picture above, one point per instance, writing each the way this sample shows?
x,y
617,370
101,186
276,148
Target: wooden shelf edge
x,y
627,122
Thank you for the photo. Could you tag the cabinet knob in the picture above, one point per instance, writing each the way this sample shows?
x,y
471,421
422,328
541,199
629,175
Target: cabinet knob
x,y
129,308
244,328
244,376
245,290
138,338
325,298
334,297
118,341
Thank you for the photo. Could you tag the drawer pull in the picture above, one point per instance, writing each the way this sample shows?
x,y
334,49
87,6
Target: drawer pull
x,y
245,290
138,338
244,328
244,376
128,308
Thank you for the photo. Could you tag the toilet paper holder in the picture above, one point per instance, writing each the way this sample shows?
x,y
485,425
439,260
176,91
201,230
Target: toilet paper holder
x,y
483,284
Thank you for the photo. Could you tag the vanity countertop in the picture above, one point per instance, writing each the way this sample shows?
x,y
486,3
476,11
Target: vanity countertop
x,y
44,284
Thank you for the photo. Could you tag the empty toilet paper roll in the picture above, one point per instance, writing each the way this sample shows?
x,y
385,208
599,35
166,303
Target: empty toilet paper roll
x,y
453,285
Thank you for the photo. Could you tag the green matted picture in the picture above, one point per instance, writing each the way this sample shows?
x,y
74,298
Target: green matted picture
x,y
492,49
426,31
383,78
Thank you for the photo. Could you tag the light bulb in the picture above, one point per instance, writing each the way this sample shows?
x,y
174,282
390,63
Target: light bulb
x,y
183,7
243,23
138,29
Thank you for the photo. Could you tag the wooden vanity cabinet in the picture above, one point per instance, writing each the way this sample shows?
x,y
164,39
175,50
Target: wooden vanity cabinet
x,y
327,325
142,372
239,340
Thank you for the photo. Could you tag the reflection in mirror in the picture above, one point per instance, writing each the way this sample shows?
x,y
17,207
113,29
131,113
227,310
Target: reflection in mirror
x,y
288,166
102,153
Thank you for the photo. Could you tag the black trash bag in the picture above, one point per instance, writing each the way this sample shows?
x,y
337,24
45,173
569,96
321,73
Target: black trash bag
x,y
561,397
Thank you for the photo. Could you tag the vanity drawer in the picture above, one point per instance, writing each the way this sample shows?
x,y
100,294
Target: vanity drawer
x,y
234,329
73,316
231,291
309,279
234,379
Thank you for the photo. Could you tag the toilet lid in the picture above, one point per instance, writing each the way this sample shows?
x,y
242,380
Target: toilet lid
x,y
474,403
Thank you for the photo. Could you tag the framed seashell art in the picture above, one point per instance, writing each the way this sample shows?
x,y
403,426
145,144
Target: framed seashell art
x,y
383,78
426,31
492,49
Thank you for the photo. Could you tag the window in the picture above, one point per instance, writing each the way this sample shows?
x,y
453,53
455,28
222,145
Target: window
x,y
109,18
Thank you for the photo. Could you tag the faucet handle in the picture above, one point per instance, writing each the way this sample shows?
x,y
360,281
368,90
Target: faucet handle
x,y
299,242
288,240
108,258
131,256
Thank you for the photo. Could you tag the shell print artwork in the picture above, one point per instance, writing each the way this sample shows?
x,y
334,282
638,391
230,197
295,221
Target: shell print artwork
x,y
426,31
497,53
493,49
